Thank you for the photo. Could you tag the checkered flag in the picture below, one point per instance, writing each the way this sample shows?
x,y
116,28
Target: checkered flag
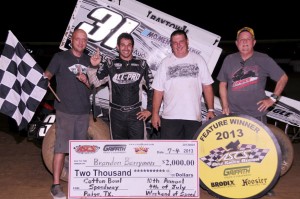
x,y
22,85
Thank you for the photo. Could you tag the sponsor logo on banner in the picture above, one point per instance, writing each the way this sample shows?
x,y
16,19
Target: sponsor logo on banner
x,y
235,171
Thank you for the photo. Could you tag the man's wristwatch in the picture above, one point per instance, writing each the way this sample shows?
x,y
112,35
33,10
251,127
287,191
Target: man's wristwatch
x,y
274,97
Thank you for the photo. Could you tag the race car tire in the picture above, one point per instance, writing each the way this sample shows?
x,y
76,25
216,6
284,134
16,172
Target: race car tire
x,y
286,146
98,130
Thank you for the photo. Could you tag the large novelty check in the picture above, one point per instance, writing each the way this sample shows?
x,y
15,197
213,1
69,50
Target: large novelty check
x,y
110,169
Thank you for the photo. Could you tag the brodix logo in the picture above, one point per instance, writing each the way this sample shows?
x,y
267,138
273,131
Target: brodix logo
x,y
223,183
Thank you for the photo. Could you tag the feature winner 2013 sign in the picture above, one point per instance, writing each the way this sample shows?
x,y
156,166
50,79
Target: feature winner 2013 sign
x,y
239,157
133,169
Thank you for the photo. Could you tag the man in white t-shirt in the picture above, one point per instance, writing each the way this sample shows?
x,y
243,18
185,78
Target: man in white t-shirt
x,y
178,83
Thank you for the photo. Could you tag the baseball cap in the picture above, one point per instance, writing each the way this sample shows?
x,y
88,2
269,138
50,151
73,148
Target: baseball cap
x,y
250,30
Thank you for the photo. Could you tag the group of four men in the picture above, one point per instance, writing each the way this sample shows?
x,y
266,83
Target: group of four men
x,y
181,79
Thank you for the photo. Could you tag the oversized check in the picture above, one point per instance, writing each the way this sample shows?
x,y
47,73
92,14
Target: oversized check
x,y
123,169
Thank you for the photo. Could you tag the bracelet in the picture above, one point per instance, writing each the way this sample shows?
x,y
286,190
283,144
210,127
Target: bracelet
x,y
211,110
273,99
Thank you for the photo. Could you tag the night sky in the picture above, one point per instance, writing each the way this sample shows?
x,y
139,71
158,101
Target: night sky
x,y
46,21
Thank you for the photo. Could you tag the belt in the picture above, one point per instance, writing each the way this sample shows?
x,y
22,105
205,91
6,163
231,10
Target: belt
x,y
125,108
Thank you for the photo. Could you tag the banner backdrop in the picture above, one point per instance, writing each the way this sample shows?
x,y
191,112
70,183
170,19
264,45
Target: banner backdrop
x,y
104,20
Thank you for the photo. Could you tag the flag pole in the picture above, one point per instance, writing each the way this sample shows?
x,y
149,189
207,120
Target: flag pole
x,y
54,93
